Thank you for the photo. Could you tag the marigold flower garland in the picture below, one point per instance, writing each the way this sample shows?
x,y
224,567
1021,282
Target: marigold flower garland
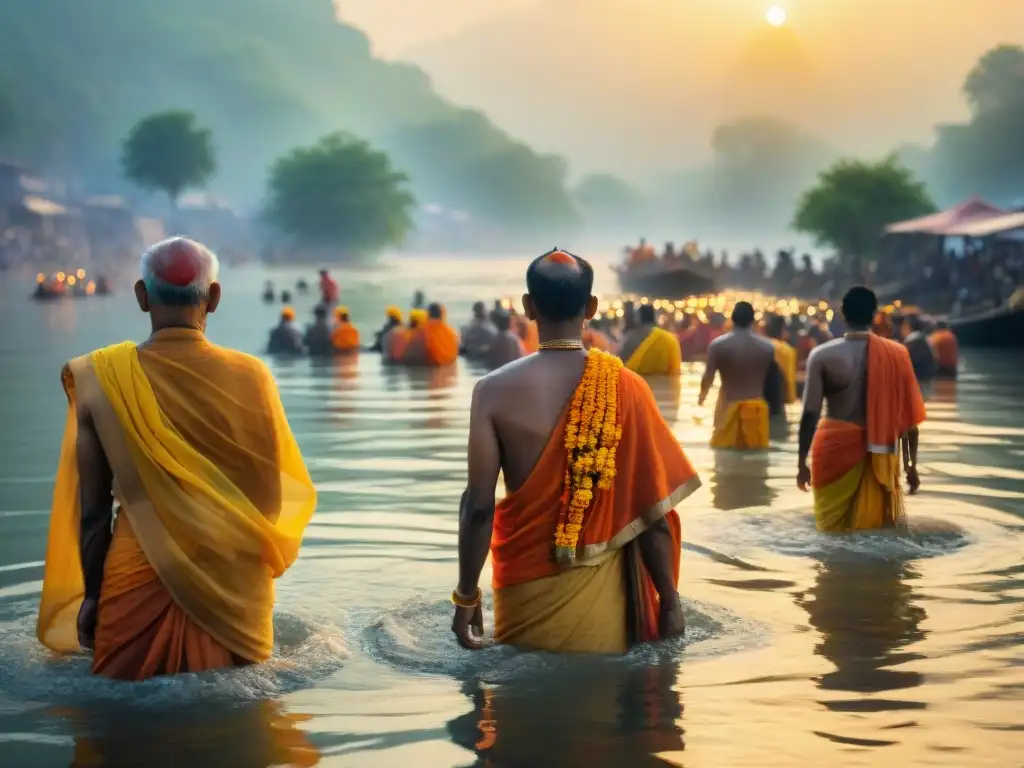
x,y
592,435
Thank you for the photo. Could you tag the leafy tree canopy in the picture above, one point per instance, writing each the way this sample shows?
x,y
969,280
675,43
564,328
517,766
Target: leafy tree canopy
x,y
339,193
997,80
852,202
170,152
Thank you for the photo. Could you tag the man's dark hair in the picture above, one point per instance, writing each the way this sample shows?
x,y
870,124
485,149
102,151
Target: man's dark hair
x,y
320,312
479,310
743,314
502,321
775,327
859,306
942,325
915,322
645,315
559,289
435,311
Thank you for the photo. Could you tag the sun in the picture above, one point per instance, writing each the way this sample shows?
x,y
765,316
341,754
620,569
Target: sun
x,y
776,15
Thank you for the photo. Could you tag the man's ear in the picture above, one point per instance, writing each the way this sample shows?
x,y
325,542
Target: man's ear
x,y
528,309
591,310
141,295
213,298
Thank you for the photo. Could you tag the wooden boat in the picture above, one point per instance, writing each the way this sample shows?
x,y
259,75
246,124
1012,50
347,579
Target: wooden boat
x,y
677,278
1003,327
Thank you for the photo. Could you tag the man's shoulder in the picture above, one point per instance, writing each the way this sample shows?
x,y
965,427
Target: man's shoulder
x,y
826,348
508,375
243,362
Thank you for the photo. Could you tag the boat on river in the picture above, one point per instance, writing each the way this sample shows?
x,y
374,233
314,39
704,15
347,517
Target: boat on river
x,y
1002,327
665,278
62,285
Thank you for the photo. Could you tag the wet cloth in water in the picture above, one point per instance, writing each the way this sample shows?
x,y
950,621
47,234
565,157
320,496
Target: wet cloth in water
x,y
657,355
855,470
742,425
605,600
213,500
786,357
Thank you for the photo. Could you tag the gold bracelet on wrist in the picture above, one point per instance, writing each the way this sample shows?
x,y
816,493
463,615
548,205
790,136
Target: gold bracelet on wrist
x,y
467,602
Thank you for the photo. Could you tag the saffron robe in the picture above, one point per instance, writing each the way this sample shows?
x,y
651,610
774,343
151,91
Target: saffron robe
x,y
213,500
605,601
855,470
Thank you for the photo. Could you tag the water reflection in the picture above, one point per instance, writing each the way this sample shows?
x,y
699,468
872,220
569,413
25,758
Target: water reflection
x,y
254,735
740,480
667,394
597,712
866,613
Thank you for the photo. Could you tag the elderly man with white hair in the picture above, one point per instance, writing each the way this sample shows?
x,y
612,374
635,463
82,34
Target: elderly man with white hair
x,y
180,494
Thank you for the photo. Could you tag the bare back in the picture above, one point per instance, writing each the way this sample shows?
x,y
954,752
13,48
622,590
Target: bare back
x,y
837,377
523,402
743,359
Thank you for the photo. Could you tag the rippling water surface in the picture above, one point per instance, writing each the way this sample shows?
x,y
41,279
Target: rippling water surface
x,y
802,649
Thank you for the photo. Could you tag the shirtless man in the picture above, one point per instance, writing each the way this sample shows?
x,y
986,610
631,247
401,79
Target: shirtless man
x,y
478,335
848,374
505,346
746,362
540,602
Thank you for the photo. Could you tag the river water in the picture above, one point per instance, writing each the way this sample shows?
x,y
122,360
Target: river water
x,y
802,649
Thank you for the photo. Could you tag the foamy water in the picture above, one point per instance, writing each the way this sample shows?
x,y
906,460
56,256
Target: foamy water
x,y
802,647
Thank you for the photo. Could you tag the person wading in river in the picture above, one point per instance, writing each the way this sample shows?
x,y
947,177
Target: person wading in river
x,y
189,443
650,350
874,407
586,543
746,362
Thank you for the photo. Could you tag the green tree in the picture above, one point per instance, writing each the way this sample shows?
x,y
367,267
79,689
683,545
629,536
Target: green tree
x,y
340,194
852,202
170,152
997,80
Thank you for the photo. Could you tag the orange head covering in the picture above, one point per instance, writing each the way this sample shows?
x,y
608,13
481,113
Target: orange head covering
x,y
394,313
287,313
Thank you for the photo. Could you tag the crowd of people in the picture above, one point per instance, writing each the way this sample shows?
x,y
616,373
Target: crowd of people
x,y
974,279
212,494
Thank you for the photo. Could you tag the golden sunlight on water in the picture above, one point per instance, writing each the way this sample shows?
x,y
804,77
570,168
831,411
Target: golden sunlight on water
x,y
802,649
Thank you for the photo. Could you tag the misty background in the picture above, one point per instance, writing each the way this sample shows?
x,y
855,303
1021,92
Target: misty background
x,y
600,120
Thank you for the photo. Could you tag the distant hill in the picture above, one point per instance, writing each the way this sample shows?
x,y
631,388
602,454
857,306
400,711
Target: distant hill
x,y
265,75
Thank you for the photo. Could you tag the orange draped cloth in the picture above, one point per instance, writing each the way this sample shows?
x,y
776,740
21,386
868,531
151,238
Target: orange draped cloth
x,y
345,337
440,342
653,475
854,468
212,500
947,351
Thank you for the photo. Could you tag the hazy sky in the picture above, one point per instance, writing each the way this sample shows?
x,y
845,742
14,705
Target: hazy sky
x,y
635,86
400,25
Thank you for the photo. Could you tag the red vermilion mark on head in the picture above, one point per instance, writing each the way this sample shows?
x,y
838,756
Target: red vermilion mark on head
x,y
179,264
561,257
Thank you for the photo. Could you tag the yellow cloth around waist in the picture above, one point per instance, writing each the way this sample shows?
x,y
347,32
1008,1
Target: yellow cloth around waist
x,y
214,548
865,498
658,355
742,425
580,610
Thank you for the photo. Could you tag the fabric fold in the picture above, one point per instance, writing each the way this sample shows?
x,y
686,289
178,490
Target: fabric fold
x,y
743,425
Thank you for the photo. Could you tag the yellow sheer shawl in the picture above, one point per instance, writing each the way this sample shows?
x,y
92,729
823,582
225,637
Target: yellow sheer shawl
x,y
658,355
208,472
